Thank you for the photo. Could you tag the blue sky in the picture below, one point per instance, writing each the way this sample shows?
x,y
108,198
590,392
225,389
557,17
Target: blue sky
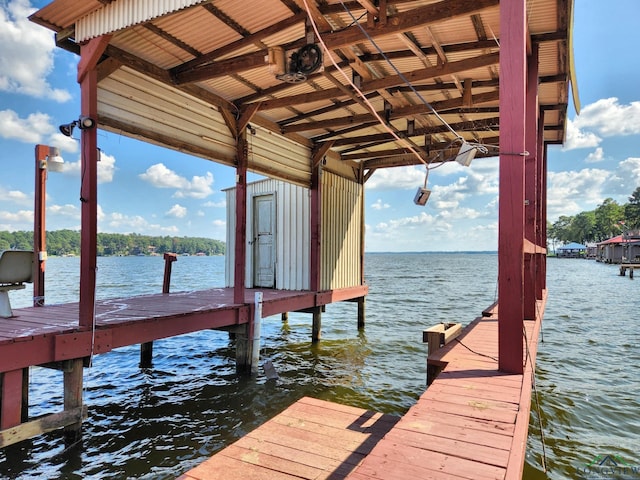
x,y
155,191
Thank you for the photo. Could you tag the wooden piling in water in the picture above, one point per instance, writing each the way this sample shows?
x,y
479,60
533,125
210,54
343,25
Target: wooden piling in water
x,y
73,398
316,330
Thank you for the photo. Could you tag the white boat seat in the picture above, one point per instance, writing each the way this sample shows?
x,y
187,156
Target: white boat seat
x,y
16,269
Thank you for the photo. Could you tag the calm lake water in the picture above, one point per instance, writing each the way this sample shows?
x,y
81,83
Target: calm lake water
x,y
157,423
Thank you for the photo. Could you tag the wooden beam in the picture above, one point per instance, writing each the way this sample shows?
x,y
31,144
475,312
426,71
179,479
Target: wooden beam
x,y
90,54
45,424
485,123
511,185
405,21
319,152
386,82
246,115
395,114
238,44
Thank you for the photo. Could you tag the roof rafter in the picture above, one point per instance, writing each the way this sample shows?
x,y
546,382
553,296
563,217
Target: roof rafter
x,y
425,15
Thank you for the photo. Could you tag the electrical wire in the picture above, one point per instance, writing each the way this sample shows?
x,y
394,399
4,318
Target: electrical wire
x,y
358,91
535,391
400,74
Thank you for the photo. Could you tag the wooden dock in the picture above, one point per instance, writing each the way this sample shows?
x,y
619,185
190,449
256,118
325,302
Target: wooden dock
x,y
50,336
310,439
471,422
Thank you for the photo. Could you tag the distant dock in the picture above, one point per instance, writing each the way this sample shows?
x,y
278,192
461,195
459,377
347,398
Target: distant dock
x,y
471,422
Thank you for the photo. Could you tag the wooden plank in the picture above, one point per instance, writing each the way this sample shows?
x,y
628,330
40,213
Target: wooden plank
x,y
44,424
485,453
403,462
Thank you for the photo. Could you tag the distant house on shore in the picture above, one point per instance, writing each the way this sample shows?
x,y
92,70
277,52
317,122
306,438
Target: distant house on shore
x,y
620,249
572,250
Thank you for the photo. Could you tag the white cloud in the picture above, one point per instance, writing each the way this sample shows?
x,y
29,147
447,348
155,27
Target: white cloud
x,y
219,223
596,156
27,53
106,168
21,216
177,211
221,204
601,119
36,128
379,205
608,118
577,138
15,196
400,177
625,179
123,223
570,191
67,210
160,176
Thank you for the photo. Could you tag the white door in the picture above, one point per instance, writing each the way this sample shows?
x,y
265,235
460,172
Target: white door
x,y
264,261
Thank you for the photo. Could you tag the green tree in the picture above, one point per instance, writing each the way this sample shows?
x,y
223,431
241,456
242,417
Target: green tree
x,y
608,216
632,210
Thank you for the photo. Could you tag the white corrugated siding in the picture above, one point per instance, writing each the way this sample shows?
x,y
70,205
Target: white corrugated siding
x,y
341,249
125,13
292,234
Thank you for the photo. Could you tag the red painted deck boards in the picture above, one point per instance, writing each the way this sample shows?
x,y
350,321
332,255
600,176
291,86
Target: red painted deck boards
x,y
312,439
470,423
133,320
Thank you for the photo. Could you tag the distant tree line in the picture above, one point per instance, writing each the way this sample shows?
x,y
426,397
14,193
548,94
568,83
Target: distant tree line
x,y
607,220
67,242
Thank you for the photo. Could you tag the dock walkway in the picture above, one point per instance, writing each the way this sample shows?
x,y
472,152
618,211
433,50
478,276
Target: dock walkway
x,y
471,422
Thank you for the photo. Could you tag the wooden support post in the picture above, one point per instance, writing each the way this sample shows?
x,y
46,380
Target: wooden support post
x,y
316,330
146,355
243,350
169,258
513,33
73,398
25,395
285,317
316,234
240,248
531,183
11,399
90,53
541,225
361,312
39,225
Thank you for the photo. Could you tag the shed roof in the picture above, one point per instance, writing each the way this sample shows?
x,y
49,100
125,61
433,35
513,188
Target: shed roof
x,y
177,72
572,246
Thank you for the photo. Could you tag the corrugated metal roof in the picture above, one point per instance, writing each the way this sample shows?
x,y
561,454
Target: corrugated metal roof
x,y
216,52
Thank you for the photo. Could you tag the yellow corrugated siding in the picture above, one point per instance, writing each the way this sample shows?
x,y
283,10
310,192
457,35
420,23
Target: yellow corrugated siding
x,y
133,99
341,247
276,156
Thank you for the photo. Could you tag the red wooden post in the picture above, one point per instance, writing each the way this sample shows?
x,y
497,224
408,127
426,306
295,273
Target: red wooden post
x,y
513,33
531,183
11,405
88,78
169,258
543,217
39,225
541,236
241,218
316,219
